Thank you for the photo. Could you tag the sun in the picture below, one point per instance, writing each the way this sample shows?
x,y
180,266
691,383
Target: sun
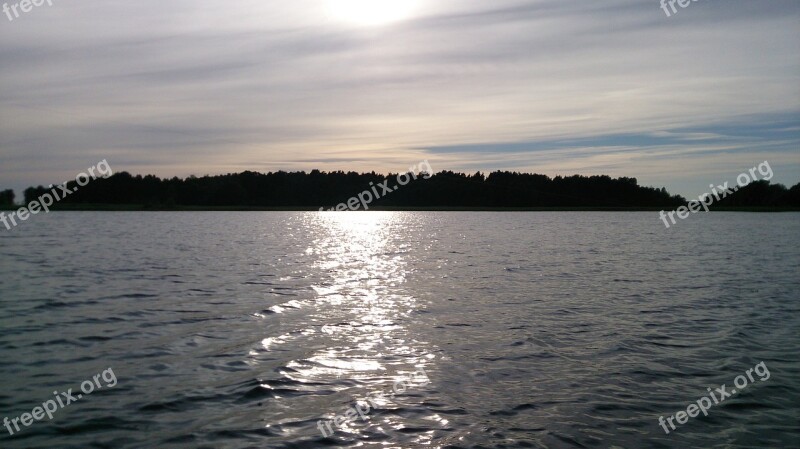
x,y
371,12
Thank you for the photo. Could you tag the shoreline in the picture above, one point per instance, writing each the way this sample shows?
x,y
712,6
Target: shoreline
x,y
146,208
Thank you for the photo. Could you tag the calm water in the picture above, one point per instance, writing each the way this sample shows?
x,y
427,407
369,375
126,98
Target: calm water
x,y
542,330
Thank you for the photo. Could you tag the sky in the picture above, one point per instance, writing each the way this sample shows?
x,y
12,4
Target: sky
x,y
558,87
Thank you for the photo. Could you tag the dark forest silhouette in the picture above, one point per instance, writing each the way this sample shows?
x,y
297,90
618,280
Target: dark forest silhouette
x,y
445,189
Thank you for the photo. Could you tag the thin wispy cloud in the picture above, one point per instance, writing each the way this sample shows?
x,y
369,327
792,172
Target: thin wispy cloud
x,y
552,86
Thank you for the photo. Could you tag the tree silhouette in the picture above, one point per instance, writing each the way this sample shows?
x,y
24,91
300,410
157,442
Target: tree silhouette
x,y
446,189
7,198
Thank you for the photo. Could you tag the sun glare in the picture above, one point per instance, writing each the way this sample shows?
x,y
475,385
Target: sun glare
x,y
371,12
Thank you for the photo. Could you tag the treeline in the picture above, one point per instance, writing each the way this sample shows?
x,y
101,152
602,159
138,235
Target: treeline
x,y
7,198
445,189
327,189
763,194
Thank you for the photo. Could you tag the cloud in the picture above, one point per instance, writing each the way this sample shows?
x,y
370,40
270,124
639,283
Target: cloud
x,y
549,85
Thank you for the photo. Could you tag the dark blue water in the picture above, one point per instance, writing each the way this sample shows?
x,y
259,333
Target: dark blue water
x,y
541,330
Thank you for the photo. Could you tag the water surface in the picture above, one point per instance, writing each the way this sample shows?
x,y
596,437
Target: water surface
x,y
542,330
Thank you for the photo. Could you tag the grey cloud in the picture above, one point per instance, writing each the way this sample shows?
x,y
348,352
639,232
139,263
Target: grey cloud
x,y
157,83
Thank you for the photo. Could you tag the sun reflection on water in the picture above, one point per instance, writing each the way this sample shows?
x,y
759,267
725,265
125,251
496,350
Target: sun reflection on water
x,y
352,334
361,304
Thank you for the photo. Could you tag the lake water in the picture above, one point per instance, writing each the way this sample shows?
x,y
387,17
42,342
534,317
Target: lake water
x,y
532,330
